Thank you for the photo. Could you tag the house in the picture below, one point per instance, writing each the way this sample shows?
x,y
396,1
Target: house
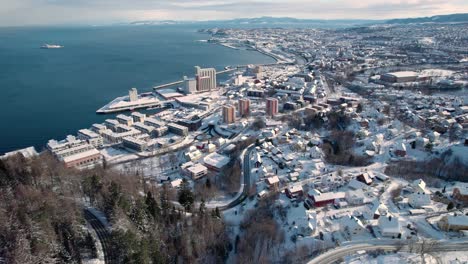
x,y
419,200
352,225
316,152
433,136
322,199
273,182
461,194
381,176
306,225
193,155
453,223
261,194
377,210
365,178
356,185
257,160
389,226
176,183
355,197
400,150
420,143
210,148
419,186
294,191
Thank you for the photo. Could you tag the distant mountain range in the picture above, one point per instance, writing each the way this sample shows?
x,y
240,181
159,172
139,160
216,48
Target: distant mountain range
x,y
262,21
288,21
433,19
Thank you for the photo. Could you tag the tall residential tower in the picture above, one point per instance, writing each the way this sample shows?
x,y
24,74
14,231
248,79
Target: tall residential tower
x,y
229,114
244,107
271,106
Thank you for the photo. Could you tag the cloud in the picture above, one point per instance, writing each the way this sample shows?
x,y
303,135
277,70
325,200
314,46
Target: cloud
x,y
26,12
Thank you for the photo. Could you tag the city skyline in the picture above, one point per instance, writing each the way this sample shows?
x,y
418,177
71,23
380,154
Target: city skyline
x,y
57,12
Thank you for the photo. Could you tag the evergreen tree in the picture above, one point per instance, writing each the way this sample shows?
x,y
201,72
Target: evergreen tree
x,y
450,206
186,197
202,207
151,205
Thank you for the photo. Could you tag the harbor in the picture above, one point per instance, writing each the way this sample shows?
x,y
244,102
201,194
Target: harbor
x,y
130,103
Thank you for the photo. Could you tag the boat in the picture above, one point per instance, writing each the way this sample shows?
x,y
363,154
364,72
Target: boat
x,y
51,46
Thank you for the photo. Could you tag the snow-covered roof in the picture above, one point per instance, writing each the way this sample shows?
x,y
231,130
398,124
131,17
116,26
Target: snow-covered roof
x,y
401,74
355,185
459,220
329,196
295,188
81,155
389,224
216,160
26,152
176,183
197,168
273,180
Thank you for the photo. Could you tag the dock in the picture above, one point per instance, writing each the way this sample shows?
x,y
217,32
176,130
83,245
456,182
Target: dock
x,y
162,86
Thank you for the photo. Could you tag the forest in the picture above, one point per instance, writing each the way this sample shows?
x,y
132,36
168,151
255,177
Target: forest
x,y
42,217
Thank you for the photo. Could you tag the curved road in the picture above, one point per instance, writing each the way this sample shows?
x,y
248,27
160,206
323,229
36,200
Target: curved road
x,y
103,235
246,185
343,251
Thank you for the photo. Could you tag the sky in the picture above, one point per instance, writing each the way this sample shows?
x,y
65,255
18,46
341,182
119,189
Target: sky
x,y
59,12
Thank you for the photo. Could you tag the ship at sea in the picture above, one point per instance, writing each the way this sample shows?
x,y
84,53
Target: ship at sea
x,y
51,46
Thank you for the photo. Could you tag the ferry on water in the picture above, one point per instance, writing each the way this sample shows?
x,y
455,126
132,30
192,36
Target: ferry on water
x,y
51,46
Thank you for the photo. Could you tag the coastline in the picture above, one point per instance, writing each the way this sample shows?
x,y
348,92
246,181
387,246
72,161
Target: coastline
x,y
68,76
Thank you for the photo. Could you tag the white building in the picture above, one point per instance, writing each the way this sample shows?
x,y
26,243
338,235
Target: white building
x,y
138,117
125,120
389,226
352,225
190,85
216,161
419,200
91,137
197,171
419,186
135,144
74,152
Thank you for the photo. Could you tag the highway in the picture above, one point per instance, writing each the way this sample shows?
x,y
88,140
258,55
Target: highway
x,y
338,253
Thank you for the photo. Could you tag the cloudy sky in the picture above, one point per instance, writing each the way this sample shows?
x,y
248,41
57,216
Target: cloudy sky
x,y
31,12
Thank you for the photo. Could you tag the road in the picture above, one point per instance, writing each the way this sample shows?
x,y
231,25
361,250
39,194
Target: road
x,y
343,251
246,185
103,235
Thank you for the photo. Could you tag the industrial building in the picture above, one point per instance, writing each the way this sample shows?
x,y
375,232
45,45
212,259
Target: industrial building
x,y
133,95
399,77
190,85
206,79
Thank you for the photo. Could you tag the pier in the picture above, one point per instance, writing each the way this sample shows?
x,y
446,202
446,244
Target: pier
x,y
217,72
